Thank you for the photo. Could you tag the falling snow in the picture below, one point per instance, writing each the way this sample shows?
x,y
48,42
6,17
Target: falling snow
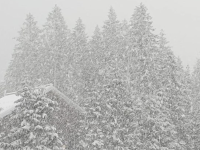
x,y
120,89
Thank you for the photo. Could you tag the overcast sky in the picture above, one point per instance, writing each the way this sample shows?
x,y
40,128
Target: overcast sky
x,y
180,20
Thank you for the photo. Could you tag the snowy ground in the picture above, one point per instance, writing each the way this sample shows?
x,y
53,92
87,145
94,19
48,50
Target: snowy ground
x,y
7,104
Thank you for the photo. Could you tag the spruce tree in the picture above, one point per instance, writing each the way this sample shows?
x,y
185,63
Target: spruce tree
x,y
29,124
196,85
55,50
79,56
93,64
106,121
25,59
110,34
124,61
143,80
96,47
124,38
79,41
142,47
175,88
195,122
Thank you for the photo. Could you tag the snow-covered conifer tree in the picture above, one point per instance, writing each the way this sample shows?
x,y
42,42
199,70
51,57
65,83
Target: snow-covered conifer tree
x,y
142,47
25,59
79,55
55,52
29,124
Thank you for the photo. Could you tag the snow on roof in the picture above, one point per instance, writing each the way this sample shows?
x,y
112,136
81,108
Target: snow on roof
x,y
64,97
7,104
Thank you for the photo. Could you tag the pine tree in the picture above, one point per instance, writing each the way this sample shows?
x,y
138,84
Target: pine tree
x,y
175,87
24,61
124,38
56,49
111,33
151,126
106,93
79,56
93,64
124,61
143,80
96,47
29,124
111,46
105,120
79,41
195,122
196,85
142,48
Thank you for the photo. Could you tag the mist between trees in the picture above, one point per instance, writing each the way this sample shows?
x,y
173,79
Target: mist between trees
x,y
135,91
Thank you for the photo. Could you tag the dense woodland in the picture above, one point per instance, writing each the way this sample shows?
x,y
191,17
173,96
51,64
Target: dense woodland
x,y
136,92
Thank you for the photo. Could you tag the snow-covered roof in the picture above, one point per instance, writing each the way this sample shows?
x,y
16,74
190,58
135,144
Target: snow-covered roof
x,y
7,103
51,88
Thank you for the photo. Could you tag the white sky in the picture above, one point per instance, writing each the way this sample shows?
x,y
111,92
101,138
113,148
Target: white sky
x,y
180,20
